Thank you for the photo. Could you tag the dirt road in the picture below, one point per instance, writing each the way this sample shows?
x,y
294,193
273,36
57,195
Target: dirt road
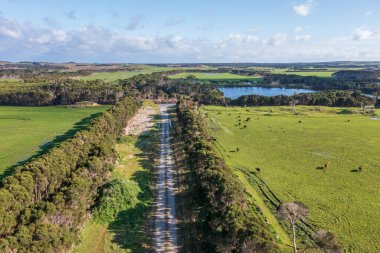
x,y
165,232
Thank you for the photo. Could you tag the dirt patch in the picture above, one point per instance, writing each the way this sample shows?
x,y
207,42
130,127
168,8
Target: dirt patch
x,y
142,122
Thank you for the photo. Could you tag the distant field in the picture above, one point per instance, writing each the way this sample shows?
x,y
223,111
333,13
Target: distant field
x,y
26,130
142,69
113,76
216,76
304,73
290,151
328,72
9,79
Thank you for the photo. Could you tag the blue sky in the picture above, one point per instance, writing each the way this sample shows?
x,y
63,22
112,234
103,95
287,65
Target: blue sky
x,y
151,31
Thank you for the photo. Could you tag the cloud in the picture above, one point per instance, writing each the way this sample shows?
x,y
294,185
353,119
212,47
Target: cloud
x,y
368,13
298,29
9,28
71,14
135,22
92,43
277,40
363,33
302,38
240,38
304,8
174,21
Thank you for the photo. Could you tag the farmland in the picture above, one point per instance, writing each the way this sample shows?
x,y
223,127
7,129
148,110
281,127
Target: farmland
x,y
138,69
112,76
27,130
216,76
291,149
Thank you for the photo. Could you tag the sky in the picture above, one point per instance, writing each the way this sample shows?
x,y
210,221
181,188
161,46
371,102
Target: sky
x,y
181,31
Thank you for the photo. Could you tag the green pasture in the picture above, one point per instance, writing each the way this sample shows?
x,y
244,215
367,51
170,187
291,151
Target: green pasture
x,y
216,76
291,146
25,131
138,69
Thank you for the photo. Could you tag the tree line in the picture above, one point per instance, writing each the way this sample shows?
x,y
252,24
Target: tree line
x,y
45,202
225,220
339,98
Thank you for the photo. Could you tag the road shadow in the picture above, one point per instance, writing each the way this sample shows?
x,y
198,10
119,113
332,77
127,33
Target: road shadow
x,y
132,227
46,147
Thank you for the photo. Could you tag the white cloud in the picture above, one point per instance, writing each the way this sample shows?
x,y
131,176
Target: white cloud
x,y
368,13
298,29
277,40
304,8
27,41
302,38
362,33
240,38
9,28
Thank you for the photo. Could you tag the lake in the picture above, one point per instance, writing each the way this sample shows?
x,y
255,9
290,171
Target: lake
x,y
235,92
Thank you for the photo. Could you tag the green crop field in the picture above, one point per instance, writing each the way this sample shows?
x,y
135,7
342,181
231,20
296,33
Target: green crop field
x,y
112,76
27,130
140,69
291,150
304,73
216,76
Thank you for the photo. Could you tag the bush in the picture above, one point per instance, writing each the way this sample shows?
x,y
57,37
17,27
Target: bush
x,y
119,195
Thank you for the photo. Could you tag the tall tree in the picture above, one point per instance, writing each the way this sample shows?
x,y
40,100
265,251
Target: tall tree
x,y
293,212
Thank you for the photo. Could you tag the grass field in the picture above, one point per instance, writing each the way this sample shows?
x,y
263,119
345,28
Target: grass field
x,y
216,76
9,79
140,69
24,131
113,76
290,151
304,73
328,72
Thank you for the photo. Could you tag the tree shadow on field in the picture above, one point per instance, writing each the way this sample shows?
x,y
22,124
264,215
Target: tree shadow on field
x,y
46,147
131,227
319,168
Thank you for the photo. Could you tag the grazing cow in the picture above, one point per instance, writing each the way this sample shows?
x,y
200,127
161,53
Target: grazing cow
x,y
247,110
248,119
326,165
219,113
237,149
300,121
239,123
258,170
360,168
245,126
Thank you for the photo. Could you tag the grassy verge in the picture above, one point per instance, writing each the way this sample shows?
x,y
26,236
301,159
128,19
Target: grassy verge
x,y
128,231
